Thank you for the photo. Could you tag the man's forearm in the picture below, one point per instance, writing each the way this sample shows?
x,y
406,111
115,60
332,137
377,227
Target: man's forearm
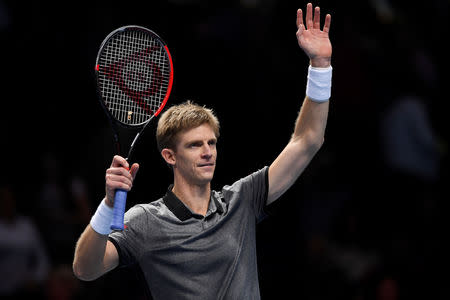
x,y
311,122
90,252
312,119
306,140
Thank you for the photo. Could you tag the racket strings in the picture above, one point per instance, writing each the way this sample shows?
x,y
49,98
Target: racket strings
x,y
134,75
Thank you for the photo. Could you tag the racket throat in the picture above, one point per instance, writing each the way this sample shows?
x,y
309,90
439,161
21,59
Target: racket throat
x,y
132,146
117,142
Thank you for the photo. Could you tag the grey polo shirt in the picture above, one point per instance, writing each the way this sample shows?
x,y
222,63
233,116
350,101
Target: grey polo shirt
x,y
183,255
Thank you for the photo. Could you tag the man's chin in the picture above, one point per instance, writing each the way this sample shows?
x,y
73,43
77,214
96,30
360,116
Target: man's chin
x,y
206,178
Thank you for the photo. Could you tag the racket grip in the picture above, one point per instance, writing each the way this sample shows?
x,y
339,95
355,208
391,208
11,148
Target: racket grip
x,y
120,200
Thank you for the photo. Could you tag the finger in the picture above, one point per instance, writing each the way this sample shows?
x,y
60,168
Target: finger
x,y
326,26
119,171
118,182
309,20
316,23
299,18
119,161
112,179
133,171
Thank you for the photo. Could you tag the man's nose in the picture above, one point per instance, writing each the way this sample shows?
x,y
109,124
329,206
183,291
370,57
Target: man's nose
x,y
207,151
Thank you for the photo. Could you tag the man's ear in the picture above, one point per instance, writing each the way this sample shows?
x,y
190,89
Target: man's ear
x,y
169,156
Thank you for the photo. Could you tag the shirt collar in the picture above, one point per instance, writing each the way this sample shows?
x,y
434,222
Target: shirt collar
x,y
182,212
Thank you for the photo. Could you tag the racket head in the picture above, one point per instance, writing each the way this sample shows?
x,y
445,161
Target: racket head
x,y
134,75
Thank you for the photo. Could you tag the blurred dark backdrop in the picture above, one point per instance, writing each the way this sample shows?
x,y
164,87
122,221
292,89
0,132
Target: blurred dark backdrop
x,y
367,218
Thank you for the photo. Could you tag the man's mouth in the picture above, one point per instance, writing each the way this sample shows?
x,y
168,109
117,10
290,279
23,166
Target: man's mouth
x,y
206,165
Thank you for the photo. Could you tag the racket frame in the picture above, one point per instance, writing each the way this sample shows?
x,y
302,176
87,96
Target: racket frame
x,y
117,223
114,121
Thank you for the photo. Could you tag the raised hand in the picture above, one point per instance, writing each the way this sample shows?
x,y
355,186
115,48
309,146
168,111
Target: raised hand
x,y
119,176
311,39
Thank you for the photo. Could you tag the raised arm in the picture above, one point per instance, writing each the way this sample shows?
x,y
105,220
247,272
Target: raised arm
x,y
310,125
94,254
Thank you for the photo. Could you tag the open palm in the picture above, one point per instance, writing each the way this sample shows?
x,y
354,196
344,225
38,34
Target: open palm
x,y
311,39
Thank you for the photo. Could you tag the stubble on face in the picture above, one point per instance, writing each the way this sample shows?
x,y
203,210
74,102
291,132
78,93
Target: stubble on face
x,y
196,155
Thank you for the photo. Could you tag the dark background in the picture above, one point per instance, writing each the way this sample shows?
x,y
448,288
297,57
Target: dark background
x,y
352,227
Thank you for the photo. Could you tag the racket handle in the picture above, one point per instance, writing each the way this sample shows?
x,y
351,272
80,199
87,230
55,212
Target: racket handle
x,y
120,200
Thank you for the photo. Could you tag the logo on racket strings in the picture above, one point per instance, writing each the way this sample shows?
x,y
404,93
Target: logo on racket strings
x,y
137,76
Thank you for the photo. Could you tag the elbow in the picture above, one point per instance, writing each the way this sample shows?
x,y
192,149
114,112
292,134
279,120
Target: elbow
x,y
311,138
315,142
81,274
319,143
312,143
78,272
314,147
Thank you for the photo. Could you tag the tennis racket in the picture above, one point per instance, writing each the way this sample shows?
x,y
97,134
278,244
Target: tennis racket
x,y
134,75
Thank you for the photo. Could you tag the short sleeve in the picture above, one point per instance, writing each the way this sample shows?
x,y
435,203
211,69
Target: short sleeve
x,y
128,241
251,191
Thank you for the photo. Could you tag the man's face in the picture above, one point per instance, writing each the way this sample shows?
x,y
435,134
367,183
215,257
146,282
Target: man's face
x,y
195,155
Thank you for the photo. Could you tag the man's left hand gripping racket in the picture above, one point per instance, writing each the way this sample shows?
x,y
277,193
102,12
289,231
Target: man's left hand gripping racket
x,y
134,75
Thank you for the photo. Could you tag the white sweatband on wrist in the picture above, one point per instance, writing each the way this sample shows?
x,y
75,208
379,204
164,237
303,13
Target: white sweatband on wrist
x,y
101,220
318,87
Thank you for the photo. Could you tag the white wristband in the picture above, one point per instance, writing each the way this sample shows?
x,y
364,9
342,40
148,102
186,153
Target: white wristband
x,y
101,220
318,87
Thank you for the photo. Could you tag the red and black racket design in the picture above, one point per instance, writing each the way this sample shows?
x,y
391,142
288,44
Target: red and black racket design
x,y
134,74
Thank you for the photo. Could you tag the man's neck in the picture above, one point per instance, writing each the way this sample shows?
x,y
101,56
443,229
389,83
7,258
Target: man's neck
x,y
196,197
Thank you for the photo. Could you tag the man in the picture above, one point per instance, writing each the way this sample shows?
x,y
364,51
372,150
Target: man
x,y
195,243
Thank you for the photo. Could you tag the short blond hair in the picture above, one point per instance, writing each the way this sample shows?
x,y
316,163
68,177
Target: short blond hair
x,y
183,117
